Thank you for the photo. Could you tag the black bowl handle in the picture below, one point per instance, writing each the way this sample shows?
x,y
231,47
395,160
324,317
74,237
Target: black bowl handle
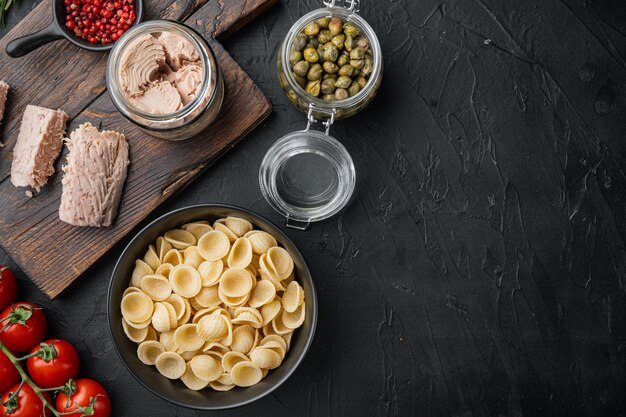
x,y
27,44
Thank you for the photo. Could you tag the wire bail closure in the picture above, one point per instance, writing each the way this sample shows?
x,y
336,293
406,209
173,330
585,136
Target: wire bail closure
x,y
311,120
353,4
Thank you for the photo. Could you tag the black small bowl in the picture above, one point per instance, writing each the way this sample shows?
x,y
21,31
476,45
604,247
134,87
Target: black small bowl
x,y
57,30
175,391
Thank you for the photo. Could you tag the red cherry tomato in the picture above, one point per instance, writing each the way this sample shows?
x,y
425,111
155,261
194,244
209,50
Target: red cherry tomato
x,y
56,363
27,404
8,287
86,390
26,326
8,373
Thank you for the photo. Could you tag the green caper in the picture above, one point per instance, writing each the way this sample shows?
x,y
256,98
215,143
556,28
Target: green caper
x,y
346,70
367,67
331,59
323,22
300,41
357,63
335,25
343,82
357,53
300,80
330,53
330,67
351,29
324,36
295,56
311,55
315,73
354,88
338,41
313,88
301,68
348,43
341,94
328,86
362,42
312,29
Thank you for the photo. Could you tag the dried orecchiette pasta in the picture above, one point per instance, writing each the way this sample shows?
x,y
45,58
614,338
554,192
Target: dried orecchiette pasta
x,y
156,287
170,364
214,245
191,381
197,229
261,242
206,367
141,270
246,374
179,238
214,306
136,307
238,225
240,255
149,351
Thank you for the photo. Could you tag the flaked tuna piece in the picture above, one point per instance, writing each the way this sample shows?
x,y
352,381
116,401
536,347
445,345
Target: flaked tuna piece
x,y
38,146
178,50
94,176
4,91
188,79
161,97
140,64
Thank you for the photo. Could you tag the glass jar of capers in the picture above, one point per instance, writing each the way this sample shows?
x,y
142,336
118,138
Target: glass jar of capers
x,y
331,62
330,66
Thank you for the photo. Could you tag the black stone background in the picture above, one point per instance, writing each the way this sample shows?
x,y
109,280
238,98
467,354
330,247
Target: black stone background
x,y
480,269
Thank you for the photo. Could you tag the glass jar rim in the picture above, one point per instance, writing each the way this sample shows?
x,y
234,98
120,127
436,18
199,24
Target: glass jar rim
x,y
353,17
313,142
206,57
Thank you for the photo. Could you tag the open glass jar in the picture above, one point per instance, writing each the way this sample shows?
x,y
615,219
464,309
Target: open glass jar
x,y
297,94
194,116
308,175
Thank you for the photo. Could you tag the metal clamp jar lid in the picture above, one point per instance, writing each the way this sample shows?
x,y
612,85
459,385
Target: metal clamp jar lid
x,y
308,175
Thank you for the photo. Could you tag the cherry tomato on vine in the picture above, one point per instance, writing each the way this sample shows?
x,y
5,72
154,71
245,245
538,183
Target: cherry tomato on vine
x,y
26,404
55,362
8,287
25,326
8,373
89,393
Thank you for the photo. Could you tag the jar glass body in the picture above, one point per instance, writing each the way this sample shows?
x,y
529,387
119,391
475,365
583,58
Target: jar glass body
x,y
194,117
319,108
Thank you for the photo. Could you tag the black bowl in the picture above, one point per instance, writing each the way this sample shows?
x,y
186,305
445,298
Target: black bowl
x,y
57,30
175,391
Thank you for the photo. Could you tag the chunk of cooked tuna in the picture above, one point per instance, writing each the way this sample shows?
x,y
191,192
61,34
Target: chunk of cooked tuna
x,y
38,146
4,91
94,176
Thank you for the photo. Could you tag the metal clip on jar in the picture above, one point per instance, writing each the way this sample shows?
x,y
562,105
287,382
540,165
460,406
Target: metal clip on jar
x,y
308,175
193,117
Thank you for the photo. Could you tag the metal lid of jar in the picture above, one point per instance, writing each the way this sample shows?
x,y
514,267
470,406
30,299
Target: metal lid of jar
x,y
307,176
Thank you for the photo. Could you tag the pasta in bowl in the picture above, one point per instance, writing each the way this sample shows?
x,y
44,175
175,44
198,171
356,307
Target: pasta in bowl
x,y
211,307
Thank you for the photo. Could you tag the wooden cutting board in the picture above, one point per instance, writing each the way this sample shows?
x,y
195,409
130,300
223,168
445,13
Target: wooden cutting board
x,y
54,254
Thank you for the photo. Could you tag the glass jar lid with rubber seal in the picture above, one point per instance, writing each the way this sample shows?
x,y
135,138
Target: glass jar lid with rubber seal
x,y
330,68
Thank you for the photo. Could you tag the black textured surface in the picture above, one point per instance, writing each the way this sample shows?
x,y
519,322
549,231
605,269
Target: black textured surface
x,y
481,267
